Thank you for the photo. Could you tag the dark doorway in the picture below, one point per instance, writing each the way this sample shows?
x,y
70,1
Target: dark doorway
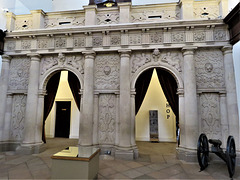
x,y
62,127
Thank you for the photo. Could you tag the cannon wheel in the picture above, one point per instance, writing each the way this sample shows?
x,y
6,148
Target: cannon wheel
x,y
231,155
202,151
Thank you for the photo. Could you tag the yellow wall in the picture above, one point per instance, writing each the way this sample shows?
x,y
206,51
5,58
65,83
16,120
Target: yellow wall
x,y
155,100
64,93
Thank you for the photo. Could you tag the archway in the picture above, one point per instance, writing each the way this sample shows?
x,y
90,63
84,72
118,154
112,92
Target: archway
x,y
163,101
62,88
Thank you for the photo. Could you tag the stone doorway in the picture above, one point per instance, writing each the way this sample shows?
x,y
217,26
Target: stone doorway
x,y
156,89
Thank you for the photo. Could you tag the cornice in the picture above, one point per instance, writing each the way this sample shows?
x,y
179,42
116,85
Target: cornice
x,y
117,27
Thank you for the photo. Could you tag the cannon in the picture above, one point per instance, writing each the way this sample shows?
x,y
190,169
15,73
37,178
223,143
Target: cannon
x,y
203,152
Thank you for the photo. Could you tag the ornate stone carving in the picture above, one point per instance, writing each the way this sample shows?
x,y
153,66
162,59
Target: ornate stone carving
x,y
60,42
74,61
19,73
156,38
79,42
138,17
97,41
47,63
206,12
178,37
172,58
210,115
26,44
156,15
66,21
61,59
42,44
115,40
199,36
110,18
209,68
10,45
220,35
107,72
135,39
139,60
156,55
107,118
22,24
18,117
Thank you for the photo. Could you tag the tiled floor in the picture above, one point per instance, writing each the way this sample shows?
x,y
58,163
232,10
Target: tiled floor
x,y
156,161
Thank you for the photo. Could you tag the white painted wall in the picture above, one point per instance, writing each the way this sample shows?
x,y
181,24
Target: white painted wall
x,y
155,100
63,94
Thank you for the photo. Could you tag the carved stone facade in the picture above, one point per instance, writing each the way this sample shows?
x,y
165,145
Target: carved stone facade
x,y
210,115
19,73
108,49
107,72
75,61
209,68
18,117
107,119
157,57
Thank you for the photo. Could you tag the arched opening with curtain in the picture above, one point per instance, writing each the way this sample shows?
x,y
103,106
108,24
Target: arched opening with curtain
x,y
156,93
62,106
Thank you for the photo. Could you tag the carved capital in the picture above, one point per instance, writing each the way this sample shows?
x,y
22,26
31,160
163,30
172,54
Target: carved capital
x,y
6,58
227,50
125,53
188,50
89,54
34,56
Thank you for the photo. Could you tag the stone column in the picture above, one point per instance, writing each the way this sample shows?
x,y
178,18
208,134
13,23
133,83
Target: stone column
x,y
86,123
231,94
133,141
224,118
39,123
117,120
8,116
3,90
181,118
95,119
125,101
32,101
190,98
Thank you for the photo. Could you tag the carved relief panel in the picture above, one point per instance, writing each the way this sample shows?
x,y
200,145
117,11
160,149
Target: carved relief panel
x,y
210,115
75,61
107,118
172,58
108,18
51,22
209,68
156,15
23,24
206,12
19,73
107,72
18,117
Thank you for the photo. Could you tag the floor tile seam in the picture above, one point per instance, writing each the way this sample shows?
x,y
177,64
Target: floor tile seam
x,y
29,170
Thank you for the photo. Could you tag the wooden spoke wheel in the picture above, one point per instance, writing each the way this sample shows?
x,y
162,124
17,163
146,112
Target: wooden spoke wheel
x,y
231,155
202,151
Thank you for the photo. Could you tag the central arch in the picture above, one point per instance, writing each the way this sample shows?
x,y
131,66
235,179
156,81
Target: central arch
x,y
50,84
166,70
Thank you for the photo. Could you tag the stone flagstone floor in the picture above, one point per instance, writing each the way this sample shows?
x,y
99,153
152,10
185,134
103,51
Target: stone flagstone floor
x,y
156,161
